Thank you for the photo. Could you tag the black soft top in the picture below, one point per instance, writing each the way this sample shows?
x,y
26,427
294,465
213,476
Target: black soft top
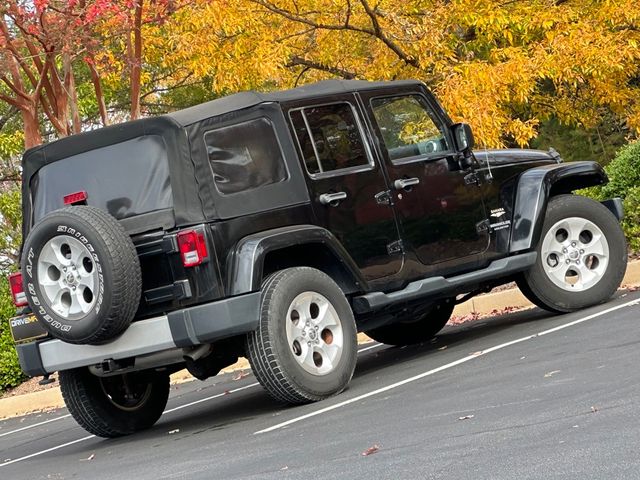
x,y
243,100
192,200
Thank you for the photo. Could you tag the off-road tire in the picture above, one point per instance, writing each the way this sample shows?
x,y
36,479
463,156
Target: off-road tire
x,y
536,284
92,401
412,330
118,279
272,358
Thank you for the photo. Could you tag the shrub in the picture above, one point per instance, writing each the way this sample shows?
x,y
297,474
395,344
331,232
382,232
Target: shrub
x,y
631,221
623,172
624,182
10,373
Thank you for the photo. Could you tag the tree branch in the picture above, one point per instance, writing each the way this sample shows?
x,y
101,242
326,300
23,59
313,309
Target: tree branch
x,y
296,61
384,39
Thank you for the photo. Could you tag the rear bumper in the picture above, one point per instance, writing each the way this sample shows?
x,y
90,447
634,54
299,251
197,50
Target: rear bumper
x,y
182,328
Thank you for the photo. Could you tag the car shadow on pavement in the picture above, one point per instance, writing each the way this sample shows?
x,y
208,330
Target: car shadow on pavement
x,y
450,336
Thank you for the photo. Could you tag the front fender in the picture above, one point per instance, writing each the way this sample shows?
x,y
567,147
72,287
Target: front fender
x,y
535,186
246,261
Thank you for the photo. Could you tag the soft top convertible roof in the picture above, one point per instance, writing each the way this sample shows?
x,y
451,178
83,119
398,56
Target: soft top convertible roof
x,y
244,100
174,129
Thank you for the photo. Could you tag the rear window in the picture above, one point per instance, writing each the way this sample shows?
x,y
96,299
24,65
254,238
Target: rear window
x,y
245,156
126,179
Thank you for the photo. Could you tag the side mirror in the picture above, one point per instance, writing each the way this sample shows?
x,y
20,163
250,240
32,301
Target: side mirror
x,y
463,137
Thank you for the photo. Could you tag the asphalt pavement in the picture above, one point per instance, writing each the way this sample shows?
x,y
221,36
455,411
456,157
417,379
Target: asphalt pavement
x,y
520,396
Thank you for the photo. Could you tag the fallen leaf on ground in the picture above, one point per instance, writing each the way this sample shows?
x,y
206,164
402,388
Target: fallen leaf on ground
x,y
240,375
371,450
171,432
551,374
466,417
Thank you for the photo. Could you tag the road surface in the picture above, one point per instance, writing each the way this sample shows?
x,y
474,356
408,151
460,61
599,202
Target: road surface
x,y
521,396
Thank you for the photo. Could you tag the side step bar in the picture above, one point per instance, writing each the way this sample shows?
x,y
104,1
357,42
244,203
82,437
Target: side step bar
x,y
437,285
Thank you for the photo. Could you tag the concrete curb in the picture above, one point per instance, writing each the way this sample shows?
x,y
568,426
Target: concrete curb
x,y
483,304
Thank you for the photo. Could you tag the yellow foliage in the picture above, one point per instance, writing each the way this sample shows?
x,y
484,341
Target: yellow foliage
x,y
501,66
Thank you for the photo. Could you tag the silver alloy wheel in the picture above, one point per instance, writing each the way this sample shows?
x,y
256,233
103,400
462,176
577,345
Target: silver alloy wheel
x,y
314,333
68,277
575,254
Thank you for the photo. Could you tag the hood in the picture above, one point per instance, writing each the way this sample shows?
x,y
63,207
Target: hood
x,y
515,155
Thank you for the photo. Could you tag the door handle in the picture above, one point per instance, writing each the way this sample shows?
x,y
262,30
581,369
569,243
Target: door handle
x,y
405,183
332,199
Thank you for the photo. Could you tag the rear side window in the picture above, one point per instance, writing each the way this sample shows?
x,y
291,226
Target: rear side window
x,y
330,139
126,179
245,156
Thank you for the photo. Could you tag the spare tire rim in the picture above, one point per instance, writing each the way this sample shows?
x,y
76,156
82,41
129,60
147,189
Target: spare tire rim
x,y
575,254
314,333
68,277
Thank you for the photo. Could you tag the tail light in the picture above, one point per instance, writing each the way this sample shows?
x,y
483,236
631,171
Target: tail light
x,y
17,290
75,198
193,247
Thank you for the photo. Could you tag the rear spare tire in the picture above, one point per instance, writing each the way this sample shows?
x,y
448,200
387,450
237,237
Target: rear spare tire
x,y
82,275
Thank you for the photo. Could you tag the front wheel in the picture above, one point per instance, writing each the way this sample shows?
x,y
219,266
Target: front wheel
x,y
117,405
582,256
305,347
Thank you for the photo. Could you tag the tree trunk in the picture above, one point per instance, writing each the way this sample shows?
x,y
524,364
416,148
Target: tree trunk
x,y
136,61
32,136
97,86
72,93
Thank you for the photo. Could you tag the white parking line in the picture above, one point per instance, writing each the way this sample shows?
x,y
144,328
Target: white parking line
x,y
443,367
370,348
9,462
35,425
57,447
191,404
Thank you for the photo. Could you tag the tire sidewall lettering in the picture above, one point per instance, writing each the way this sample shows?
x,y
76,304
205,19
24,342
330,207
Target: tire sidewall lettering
x,y
43,310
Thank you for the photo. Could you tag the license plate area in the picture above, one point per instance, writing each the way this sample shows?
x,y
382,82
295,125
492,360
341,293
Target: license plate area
x,y
25,328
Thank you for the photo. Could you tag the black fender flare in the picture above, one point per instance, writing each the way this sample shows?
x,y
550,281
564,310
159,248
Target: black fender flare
x,y
535,186
245,262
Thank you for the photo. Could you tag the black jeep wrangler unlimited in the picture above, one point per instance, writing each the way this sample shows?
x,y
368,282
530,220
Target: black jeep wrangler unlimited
x,y
276,226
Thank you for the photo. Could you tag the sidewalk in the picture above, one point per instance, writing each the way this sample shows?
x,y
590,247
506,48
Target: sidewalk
x,y
482,305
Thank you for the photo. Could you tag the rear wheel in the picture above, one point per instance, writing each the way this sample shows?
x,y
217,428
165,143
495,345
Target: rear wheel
x,y
305,346
117,405
415,328
582,256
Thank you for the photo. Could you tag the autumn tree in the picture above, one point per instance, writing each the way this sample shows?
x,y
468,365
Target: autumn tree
x,y
502,66
44,43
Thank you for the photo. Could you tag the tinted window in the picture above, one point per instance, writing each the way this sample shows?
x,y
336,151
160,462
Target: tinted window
x,y
407,127
125,179
329,138
245,156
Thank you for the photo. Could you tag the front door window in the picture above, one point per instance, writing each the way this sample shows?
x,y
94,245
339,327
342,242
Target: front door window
x,y
407,130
